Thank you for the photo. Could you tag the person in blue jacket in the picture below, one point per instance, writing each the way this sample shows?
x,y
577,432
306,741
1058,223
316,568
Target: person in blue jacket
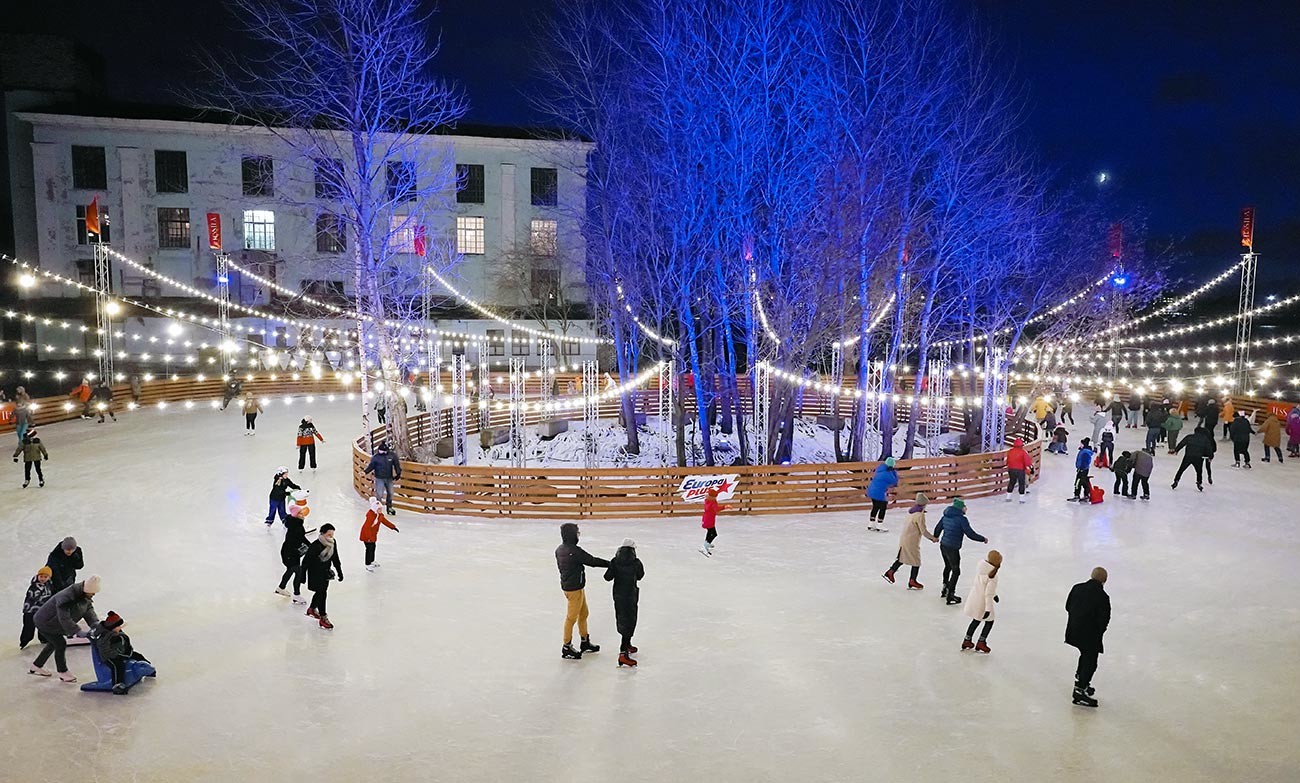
x,y
1082,464
952,529
879,490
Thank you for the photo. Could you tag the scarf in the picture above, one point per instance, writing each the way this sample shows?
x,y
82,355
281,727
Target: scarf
x,y
327,549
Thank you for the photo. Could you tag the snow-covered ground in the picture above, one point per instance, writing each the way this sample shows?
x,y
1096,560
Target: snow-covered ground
x,y
783,658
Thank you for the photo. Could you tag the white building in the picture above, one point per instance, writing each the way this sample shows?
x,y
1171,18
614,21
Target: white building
x,y
512,214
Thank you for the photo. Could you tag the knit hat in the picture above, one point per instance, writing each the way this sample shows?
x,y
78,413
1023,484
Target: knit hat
x,y
44,571
113,620
890,462
1018,442
69,543
995,557
958,503
922,498
280,471
91,585
629,543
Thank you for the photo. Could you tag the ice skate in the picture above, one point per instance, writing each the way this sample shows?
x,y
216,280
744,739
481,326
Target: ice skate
x,y
370,568
912,584
1146,497
325,622
40,672
704,550
313,613
67,677
25,483
281,591
888,576
882,529
953,599
982,646
631,649
375,564
626,660
42,483
297,599
1247,466
967,644
1088,689
1008,497
1083,699
1200,488
1022,500
588,647
567,651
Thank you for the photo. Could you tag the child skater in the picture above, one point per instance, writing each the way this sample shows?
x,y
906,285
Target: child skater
x,y
909,543
370,532
33,452
38,592
280,487
291,551
711,509
625,570
979,602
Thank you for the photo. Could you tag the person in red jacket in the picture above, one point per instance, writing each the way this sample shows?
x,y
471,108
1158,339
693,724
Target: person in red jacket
x,y
82,394
1019,463
711,509
370,532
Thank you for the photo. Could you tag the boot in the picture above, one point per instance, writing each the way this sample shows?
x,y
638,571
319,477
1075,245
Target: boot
x,y
1088,689
982,646
625,659
281,591
67,676
967,644
119,689
567,651
325,622
297,599
1083,699
588,647
631,649
888,576
39,672
311,612
953,599
912,584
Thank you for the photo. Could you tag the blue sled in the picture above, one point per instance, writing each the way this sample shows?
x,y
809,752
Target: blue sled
x,y
135,671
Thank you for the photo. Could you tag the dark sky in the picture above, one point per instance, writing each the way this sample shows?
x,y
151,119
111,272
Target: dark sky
x,y
1193,106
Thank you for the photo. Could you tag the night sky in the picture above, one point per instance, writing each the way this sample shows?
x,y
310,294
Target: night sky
x,y
1192,107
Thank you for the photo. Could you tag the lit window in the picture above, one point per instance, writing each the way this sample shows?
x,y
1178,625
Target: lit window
x,y
173,227
401,234
542,237
470,236
259,229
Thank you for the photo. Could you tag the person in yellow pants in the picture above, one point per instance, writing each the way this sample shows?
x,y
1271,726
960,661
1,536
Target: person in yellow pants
x,y
572,561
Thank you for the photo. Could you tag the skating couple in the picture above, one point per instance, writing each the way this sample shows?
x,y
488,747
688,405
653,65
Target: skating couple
x,y
625,570
909,543
953,528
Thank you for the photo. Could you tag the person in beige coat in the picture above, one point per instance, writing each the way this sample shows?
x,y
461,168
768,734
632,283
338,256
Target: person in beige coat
x,y
909,543
1272,429
980,600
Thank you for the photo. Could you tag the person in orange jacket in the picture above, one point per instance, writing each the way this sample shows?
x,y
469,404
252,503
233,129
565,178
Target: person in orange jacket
x,y
307,437
1019,464
710,520
83,393
370,531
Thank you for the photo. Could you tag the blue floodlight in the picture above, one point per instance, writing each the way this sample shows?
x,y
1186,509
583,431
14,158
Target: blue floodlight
x,y
1120,281
223,279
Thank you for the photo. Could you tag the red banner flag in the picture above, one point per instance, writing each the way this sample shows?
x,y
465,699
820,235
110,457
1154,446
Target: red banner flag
x,y
92,218
1248,228
421,243
214,231
1116,241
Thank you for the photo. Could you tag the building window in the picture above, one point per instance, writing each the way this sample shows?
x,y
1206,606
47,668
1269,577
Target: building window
x,y
259,229
400,177
519,346
545,187
469,236
542,237
173,227
171,172
469,183
401,234
330,236
496,342
259,176
570,348
89,168
324,289
329,178
84,238
545,284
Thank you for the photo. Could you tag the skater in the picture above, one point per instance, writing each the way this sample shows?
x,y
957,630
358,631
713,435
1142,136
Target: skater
x,y
1134,411
370,532
82,395
1227,415
1117,413
33,452
1099,419
281,484
321,564
291,552
229,392
1121,470
1019,464
880,491
386,468
64,561
1293,431
979,602
571,560
1173,424
115,649
251,408
1041,409
625,571
307,437
909,543
1107,451
709,520
1067,409
381,407
1210,416
103,398
1272,429
38,592
1196,448
134,381
1239,430
1143,464
22,418
1049,423
1155,421
955,528
1089,609
1060,440
1082,464
57,619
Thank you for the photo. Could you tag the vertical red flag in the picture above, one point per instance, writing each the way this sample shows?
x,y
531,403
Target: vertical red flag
x,y
92,218
1116,241
1248,228
421,244
214,231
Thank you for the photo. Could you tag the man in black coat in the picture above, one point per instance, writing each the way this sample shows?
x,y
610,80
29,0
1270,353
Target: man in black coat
x,y
1197,448
1089,610
1239,430
571,560
64,560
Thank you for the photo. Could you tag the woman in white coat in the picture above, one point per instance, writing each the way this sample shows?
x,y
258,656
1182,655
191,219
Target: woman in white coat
x,y
979,601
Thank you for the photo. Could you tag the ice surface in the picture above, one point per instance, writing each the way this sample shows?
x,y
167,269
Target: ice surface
x,y
784,658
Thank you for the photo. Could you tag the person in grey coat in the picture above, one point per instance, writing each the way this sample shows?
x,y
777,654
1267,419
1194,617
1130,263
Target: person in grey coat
x,y
1143,464
58,618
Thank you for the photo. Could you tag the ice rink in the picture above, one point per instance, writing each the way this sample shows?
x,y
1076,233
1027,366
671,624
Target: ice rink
x,y
786,657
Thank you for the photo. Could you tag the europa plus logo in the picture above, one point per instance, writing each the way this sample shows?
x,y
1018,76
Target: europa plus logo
x,y
694,488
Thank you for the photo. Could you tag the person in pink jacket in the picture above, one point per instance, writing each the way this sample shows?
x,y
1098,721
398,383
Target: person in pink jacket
x,y
1293,432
